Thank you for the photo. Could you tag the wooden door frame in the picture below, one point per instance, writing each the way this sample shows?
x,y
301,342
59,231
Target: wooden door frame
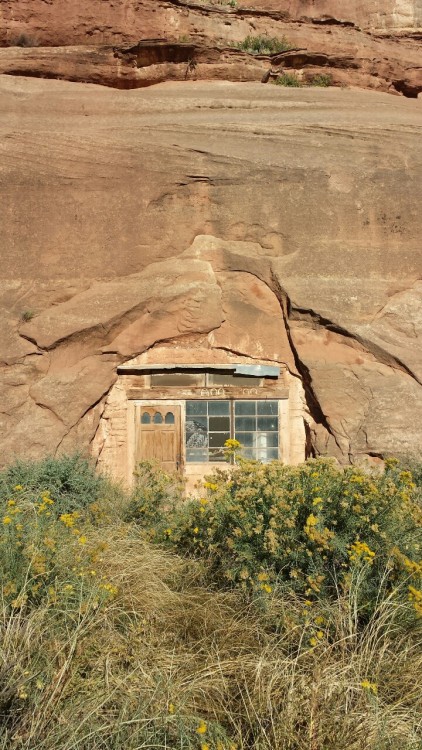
x,y
132,427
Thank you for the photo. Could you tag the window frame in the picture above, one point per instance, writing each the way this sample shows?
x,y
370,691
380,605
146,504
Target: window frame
x,y
232,427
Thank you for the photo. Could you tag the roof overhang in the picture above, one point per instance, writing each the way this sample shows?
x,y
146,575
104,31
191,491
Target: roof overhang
x,y
255,371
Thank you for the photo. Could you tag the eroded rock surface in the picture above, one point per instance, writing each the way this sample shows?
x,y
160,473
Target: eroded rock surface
x,y
281,225
136,43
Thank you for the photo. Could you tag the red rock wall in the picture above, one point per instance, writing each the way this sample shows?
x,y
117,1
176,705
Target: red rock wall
x,y
54,22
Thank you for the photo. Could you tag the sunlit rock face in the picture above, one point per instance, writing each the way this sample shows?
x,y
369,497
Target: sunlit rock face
x,y
210,222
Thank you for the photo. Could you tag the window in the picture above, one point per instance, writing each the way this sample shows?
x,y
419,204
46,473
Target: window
x,y
209,424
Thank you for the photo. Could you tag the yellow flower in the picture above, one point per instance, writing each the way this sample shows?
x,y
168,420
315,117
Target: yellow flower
x,y
7,520
317,501
18,487
205,746
265,587
195,531
82,540
11,503
202,727
262,576
320,635
372,687
171,708
313,641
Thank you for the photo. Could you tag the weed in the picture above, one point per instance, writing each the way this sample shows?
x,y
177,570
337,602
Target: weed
x,y
24,40
288,79
322,79
264,45
27,315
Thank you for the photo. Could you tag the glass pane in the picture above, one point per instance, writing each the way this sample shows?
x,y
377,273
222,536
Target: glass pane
x,y
266,439
246,438
227,378
217,439
267,423
248,453
217,455
146,418
158,418
267,407
163,379
196,456
196,433
219,424
193,424
244,407
219,407
169,418
245,423
196,407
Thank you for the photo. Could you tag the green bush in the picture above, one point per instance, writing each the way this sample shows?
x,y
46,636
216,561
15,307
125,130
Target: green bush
x,y
312,528
288,79
155,494
71,480
321,79
264,45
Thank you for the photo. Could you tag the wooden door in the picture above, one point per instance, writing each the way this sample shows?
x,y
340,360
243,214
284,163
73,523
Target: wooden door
x,y
159,435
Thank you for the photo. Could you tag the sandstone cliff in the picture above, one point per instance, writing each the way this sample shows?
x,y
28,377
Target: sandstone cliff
x,y
117,206
371,45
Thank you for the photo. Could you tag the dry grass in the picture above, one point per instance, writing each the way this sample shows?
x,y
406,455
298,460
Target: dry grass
x,y
144,668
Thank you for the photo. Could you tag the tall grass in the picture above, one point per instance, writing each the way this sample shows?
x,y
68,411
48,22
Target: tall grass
x,y
127,644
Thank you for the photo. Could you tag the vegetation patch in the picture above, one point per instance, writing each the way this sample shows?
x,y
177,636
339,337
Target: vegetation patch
x,y
281,610
289,79
264,45
321,79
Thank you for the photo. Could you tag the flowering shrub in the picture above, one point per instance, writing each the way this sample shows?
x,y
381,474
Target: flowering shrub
x,y
156,492
71,480
312,527
45,554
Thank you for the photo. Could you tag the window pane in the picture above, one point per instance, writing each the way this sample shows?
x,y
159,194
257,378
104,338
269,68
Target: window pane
x,y
246,438
219,407
196,407
217,439
245,423
157,418
267,407
216,455
164,379
196,456
244,407
146,418
228,378
219,424
169,418
267,423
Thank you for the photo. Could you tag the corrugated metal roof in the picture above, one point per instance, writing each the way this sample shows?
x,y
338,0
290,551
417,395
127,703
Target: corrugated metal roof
x,y
256,371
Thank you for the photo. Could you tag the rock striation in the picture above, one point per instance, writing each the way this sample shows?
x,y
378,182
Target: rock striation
x,y
282,225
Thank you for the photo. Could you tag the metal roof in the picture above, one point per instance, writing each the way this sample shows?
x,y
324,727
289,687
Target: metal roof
x,y
256,371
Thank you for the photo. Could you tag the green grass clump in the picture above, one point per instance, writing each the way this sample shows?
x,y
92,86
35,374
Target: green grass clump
x,y
321,79
288,79
264,45
72,480
108,640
